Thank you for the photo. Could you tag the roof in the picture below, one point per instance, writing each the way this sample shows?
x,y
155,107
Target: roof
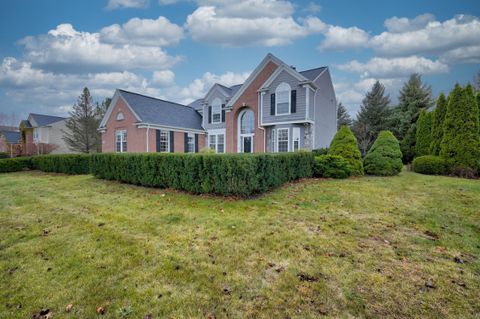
x,y
235,88
197,104
12,137
44,120
26,123
160,112
312,74
8,128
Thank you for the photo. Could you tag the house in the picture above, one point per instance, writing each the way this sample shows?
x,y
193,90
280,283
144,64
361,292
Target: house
x,y
10,141
277,109
43,134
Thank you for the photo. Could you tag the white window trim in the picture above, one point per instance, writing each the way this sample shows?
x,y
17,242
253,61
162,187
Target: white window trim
x,y
121,133
288,136
239,130
120,116
216,141
294,131
289,100
192,136
220,113
168,141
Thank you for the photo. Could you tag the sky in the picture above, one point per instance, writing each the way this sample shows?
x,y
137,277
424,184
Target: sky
x,y
177,49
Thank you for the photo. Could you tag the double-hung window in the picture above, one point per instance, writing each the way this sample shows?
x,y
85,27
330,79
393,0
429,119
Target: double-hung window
x,y
296,138
191,143
282,94
282,140
121,141
217,111
217,142
164,141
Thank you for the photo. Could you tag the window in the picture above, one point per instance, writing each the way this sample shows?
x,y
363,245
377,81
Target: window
x,y
282,94
120,116
190,143
247,131
296,138
216,142
35,134
164,141
217,111
282,140
121,141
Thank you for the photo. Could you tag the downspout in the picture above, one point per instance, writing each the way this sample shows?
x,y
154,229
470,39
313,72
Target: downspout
x,y
260,120
148,129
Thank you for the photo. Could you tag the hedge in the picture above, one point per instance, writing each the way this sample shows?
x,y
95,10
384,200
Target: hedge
x,y
430,165
16,164
73,164
4,155
223,174
332,166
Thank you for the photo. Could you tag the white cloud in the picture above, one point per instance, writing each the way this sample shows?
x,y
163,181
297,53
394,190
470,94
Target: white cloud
x,y
166,2
400,25
115,4
339,38
250,9
147,32
469,54
206,25
66,50
163,78
312,8
394,67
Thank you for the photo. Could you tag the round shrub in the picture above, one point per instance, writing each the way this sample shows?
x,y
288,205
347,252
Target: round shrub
x,y
332,166
430,165
384,157
345,145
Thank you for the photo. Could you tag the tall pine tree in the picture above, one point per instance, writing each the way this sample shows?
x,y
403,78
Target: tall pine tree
x,y
461,138
81,134
343,118
437,124
423,136
372,118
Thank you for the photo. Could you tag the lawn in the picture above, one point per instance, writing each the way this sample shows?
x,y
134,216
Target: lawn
x,y
398,247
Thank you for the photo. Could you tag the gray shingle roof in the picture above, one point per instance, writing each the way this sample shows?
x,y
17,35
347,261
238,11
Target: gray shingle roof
x,y
313,73
44,120
197,104
234,89
160,112
26,123
12,137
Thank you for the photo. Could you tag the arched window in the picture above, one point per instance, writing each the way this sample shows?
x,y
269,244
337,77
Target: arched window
x,y
120,116
216,111
247,122
246,132
282,94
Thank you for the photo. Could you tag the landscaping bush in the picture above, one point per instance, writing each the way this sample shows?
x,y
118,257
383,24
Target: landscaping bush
x,y
345,145
63,163
15,164
4,155
224,174
430,165
384,157
332,166
320,151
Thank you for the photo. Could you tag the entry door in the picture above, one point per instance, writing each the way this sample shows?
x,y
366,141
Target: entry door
x,y
247,144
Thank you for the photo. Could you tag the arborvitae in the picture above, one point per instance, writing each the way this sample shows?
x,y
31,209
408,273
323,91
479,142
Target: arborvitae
x,y
437,124
343,118
384,157
345,144
373,114
461,140
423,136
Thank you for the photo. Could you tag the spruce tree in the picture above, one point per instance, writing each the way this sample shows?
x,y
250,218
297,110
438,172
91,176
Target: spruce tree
x,y
461,139
437,124
81,134
423,135
343,118
345,145
384,157
373,114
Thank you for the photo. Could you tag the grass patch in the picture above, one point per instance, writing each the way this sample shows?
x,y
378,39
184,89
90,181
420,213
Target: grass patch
x,y
405,246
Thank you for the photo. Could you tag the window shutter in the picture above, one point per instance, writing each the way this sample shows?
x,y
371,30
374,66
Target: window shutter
x,y
185,142
196,143
272,104
223,112
209,114
158,140
172,142
293,106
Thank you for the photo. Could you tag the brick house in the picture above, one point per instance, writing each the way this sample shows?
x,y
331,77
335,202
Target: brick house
x,y
10,141
277,109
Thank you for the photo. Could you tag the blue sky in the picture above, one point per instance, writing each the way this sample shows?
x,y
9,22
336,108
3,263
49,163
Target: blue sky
x,y
176,49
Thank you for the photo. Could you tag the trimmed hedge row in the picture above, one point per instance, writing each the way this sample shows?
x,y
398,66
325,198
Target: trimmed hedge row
x,y
73,164
223,174
332,166
15,164
430,165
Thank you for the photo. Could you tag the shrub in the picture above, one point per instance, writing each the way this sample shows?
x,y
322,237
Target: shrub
x,y
320,151
384,157
332,166
437,124
345,145
4,155
430,165
423,135
63,163
223,174
15,164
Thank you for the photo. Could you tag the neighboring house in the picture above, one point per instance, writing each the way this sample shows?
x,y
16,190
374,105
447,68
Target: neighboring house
x,y
10,141
277,109
43,134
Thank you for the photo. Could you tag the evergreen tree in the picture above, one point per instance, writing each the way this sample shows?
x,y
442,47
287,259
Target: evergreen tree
x,y
373,114
343,118
103,107
384,157
437,124
461,139
423,135
81,134
345,145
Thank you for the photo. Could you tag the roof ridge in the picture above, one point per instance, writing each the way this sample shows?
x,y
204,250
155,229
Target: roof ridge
x,y
320,67
156,98
47,115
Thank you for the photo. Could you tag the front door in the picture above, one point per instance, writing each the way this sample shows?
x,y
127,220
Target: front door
x,y
247,144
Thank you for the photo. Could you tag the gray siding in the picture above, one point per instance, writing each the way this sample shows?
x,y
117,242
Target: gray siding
x,y
215,94
311,107
271,140
301,100
325,125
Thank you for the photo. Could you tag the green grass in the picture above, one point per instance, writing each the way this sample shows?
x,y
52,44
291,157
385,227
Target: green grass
x,y
363,247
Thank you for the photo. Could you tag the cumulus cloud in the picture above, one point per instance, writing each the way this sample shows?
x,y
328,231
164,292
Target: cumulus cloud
x,y
163,78
394,67
65,49
250,9
145,32
115,4
400,25
339,38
